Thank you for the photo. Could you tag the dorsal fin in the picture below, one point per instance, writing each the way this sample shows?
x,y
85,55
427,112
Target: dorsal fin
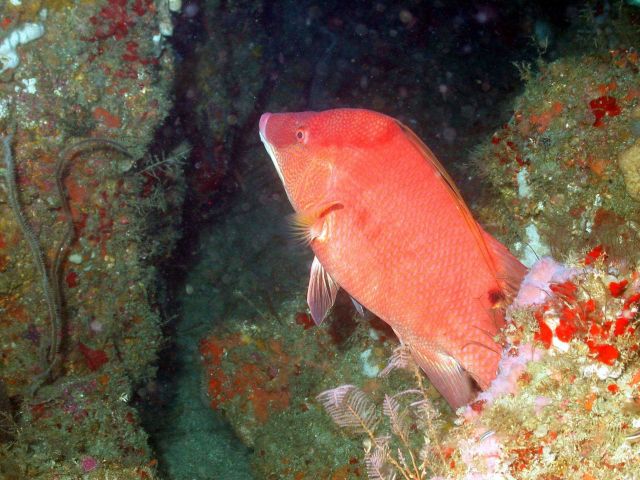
x,y
506,268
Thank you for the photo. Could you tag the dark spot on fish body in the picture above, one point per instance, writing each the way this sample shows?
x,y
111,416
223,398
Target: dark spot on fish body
x,y
496,297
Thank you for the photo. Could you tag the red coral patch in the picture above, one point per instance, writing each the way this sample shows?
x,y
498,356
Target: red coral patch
x,y
618,288
594,254
544,335
93,358
605,353
604,106
566,289
565,330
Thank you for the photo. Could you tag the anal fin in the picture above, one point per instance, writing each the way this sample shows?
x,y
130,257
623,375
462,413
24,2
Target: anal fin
x,y
446,374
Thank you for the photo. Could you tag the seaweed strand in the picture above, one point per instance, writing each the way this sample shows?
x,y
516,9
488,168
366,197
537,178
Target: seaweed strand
x,y
51,279
51,296
64,157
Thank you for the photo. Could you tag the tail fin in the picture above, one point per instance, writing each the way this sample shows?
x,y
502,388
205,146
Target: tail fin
x,y
509,270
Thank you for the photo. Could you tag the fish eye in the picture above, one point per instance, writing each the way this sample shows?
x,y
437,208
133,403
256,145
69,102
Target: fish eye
x,y
301,135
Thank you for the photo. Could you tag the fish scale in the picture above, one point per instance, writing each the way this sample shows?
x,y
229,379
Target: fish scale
x,y
388,225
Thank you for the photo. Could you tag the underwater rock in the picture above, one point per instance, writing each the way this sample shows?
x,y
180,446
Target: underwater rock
x,y
7,422
629,163
557,187
79,326
264,378
571,412
218,85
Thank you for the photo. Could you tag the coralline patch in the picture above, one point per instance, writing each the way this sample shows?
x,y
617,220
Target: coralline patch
x,y
529,252
512,365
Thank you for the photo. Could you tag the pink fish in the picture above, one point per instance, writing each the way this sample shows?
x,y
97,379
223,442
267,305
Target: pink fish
x,y
387,224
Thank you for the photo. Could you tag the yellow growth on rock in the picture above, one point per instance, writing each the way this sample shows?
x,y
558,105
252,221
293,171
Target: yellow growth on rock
x,y
629,163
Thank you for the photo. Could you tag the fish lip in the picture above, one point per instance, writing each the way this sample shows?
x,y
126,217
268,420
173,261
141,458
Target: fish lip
x,y
264,118
263,137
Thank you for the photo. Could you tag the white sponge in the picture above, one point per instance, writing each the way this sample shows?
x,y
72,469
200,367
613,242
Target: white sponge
x,y
26,33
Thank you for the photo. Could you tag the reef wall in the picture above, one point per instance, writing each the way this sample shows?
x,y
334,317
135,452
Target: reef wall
x,y
83,88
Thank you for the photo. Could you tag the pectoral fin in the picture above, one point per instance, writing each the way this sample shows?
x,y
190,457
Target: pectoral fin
x,y
310,225
321,293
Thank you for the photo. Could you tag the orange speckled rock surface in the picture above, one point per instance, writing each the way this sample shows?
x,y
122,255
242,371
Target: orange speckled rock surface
x,y
264,379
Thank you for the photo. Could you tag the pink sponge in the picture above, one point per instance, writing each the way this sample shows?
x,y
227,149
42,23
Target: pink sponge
x,y
535,286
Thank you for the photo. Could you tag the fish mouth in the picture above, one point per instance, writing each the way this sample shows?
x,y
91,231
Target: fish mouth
x,y
264,118
263,136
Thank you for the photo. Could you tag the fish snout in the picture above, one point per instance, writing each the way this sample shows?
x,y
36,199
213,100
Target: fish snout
x,y
263,124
